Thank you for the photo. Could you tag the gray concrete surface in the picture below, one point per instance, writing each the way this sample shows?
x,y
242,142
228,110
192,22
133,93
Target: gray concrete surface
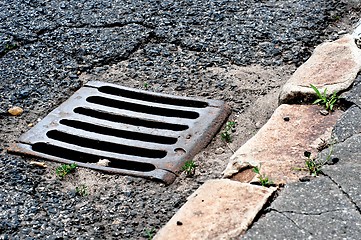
x,y
317,209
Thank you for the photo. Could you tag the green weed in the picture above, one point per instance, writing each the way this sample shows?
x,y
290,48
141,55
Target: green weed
x,y
328,103
82,190
336,18
226,133
264,180
149,233
9,47
189,168
65,169
313,165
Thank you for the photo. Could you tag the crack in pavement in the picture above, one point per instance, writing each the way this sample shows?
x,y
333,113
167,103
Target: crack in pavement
x,y
334,135
152,38
344,193
310,214
21,41
92,26
292,221
119,24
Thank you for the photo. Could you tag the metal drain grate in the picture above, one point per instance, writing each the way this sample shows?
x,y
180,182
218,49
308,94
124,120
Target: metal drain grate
x,y
141,133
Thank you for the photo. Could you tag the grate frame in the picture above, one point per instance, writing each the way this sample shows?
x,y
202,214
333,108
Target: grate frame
x,y
137,147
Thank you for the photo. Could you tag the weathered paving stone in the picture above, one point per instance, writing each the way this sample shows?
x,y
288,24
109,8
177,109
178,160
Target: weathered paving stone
x,y
354,94
333,65
309,210
346,172
348,125
343,224
275,226
314,197
347,152
348,178
219,209
280,144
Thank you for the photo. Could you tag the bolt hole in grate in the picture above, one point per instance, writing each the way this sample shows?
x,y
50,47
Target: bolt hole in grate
x,y
141,133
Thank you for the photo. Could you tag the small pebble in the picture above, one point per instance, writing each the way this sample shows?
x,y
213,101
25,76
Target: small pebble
x,y
15,111
219,150
324,112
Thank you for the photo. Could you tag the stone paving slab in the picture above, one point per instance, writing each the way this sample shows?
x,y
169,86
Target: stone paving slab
x,y
333,65
317,210
280,144
314,197
348,178
347,152
346,172
354,94
219,209
344,224
275,226
348,125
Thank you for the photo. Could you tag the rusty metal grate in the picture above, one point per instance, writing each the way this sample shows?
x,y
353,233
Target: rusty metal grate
x,y
140,133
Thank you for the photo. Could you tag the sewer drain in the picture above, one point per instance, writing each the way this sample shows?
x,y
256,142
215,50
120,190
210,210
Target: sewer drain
x,y
141,133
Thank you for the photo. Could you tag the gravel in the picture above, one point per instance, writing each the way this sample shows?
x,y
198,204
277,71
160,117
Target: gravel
x,y
47,46
37,207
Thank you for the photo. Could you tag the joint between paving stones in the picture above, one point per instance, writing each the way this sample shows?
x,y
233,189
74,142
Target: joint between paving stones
x,y
266,207
352,103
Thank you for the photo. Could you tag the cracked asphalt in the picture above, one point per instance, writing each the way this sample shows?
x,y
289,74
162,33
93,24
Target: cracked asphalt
x,y
51,42
47,46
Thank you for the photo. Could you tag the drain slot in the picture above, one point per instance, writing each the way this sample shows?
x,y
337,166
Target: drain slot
x,y
105,146
129,120
77,156
118,133
152,98
135,107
